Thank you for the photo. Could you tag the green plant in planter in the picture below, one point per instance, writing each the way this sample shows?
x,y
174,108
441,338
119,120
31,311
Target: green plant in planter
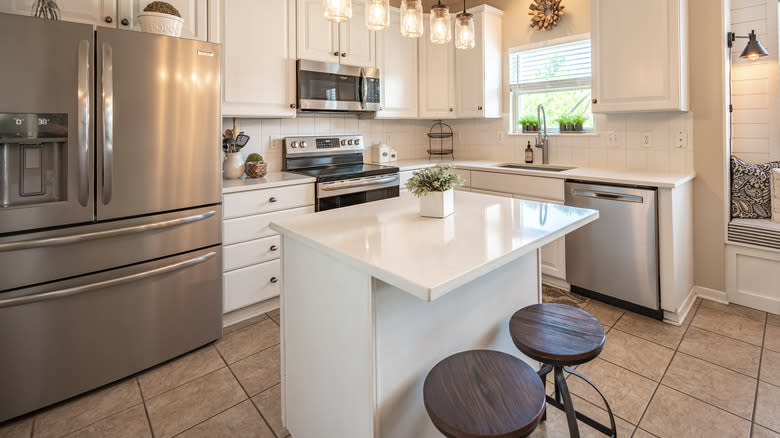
x,y
578,121
564,122
433,179
254,158
529,123
162,8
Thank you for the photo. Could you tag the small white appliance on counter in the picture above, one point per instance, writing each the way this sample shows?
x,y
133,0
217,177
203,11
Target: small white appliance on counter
x,y
382,153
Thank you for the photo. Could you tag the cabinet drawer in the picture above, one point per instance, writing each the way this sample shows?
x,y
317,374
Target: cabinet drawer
x,y
465,174
255,227
267,200
251,253
532,186
251,285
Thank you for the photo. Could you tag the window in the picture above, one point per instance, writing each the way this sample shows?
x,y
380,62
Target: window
x,y
556,74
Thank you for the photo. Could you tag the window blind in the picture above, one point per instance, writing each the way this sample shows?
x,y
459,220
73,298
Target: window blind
x,y
560,67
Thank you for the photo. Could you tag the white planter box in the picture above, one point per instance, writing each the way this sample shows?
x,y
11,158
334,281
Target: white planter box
x,y
161,24
438,204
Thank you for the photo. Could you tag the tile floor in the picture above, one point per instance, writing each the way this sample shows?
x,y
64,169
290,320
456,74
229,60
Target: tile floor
x,y
717,375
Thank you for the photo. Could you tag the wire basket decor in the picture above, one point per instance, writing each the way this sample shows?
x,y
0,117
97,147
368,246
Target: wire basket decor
x,y
440,140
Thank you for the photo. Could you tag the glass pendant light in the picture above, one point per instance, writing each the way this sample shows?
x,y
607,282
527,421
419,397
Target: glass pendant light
x,y
441,29
465,35
378,14
337,11
412,18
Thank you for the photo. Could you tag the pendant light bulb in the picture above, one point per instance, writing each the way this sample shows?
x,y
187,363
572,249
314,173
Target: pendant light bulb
x,y
337,11
412,18
465,34
441,29
378,14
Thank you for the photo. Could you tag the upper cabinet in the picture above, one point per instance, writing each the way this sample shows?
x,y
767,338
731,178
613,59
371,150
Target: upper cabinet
x,y
639,65
436,77
397,62
258,61
349,43
478,70
121,14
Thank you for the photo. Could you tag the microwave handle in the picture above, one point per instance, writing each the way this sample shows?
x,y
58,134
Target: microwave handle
x,y
363,88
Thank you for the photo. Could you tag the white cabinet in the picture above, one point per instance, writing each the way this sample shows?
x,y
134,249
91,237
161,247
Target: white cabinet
x,y
192,11
349,43
258,61
397,63
478,70
97,12
436,77
639,64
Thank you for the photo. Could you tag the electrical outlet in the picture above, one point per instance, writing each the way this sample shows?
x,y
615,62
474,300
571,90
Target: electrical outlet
x,y
645,139
275,143
682,139
612,138
500,136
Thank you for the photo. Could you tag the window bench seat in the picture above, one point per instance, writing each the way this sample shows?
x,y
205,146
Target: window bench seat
x,y
759,232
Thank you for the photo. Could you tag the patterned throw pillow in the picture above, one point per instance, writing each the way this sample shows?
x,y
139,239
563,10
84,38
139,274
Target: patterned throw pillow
x,y
775,195
750,189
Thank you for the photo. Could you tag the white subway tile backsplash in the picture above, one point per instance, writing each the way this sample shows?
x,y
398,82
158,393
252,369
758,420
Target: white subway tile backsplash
x,y
750,101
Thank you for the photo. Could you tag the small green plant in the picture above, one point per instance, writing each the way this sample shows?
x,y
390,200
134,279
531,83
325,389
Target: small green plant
x,y
163,8
254,158
529,120
433,179
579,119
564,119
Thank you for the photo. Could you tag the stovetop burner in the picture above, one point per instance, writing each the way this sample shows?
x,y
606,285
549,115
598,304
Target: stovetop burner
x,y
348,171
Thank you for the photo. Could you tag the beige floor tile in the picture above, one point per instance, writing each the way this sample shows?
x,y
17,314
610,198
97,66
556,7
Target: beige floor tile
x,y
735,309
660,332
87,409
556,426
17,429
725,321
269,403
275,315
642,434
772,337
180,371
713,384
240,421
763,432
248,341
258,372
606,314
627,393
672,414
130,423
245,323
770,367
724,351
768,406
638,355
773,319
189,404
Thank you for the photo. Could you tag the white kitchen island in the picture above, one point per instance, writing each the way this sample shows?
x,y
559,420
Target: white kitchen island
x,y
373,296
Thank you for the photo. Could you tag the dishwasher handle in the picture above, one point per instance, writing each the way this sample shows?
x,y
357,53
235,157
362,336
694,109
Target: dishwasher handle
x,y
609,196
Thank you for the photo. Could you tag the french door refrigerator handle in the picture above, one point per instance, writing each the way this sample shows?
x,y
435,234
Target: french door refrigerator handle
x,y
62,293
84,98
66,240
108,122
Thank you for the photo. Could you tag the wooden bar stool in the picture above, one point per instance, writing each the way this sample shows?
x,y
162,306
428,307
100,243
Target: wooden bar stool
x,y
560,336
483,393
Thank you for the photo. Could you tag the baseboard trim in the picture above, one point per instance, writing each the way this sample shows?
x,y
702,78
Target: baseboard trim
x,y
677,317
706,293
239,315
555,282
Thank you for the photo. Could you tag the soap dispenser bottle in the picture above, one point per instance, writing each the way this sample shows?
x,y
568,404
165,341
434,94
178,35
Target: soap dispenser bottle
x,y
529,153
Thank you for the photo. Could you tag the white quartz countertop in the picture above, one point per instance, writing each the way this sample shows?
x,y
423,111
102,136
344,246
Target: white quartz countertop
x,y
270,180
630,177
430,257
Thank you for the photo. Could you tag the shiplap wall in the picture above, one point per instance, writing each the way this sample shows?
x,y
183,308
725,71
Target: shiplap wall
x,y
755,94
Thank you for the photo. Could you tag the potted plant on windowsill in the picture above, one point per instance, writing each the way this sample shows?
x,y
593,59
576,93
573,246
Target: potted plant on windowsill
x,y
578,121
564,123
529,123
435,186
161,18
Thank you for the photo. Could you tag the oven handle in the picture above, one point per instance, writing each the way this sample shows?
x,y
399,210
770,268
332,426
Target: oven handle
x,y
360,183
62,293
66,240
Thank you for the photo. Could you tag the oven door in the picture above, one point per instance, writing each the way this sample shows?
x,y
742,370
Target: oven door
x,y
344,193
326,86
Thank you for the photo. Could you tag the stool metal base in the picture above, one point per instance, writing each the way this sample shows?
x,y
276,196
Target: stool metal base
x,y
562,401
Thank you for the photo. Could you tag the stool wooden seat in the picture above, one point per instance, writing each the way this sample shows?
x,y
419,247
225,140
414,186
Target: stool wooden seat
x,y
483,393
559,336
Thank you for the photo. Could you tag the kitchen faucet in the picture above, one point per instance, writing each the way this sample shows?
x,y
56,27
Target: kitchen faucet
x,y
542,140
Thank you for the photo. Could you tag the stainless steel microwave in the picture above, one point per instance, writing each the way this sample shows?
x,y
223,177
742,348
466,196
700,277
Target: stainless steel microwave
x,y
324,86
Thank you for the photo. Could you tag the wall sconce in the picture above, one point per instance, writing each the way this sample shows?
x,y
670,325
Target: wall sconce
x,y
753,49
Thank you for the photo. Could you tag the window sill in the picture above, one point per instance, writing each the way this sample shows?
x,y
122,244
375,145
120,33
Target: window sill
x,y
556,134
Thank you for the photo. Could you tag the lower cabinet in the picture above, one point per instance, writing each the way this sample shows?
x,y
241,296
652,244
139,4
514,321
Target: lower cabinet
x,y
251,265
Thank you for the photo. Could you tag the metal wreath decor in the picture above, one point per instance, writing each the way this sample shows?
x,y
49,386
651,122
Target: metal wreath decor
x,y
545,14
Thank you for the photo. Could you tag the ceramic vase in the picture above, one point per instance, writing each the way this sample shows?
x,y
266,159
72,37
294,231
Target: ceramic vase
x,y
161,24
438,204
233,166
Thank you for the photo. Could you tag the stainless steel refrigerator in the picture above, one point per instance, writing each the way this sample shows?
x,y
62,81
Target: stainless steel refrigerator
x,y
110,206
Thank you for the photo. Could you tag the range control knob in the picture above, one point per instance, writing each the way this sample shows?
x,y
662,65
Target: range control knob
x,y
343,142
302,144
294,144
357,141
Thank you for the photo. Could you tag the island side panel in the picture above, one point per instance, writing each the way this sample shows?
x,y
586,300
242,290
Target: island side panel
x,y
327,346
413,335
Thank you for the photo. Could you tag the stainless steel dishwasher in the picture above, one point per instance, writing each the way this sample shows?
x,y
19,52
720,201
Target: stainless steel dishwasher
x,y
615,258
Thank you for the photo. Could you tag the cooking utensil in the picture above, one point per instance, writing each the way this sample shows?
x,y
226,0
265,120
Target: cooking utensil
x,y
241,141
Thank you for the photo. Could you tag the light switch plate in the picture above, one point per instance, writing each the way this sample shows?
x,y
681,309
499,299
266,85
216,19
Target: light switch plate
x,y
682,139
612,138
276,143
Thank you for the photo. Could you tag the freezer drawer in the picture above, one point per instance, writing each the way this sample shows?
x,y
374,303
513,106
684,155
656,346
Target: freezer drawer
x,y
617,255
65,338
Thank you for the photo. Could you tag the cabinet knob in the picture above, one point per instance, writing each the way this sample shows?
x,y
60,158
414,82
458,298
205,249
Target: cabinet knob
x,y
125,22
343,54
109,20
274,279
273,248
452,109
336,53
292,105
595,101
271,199
479,108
